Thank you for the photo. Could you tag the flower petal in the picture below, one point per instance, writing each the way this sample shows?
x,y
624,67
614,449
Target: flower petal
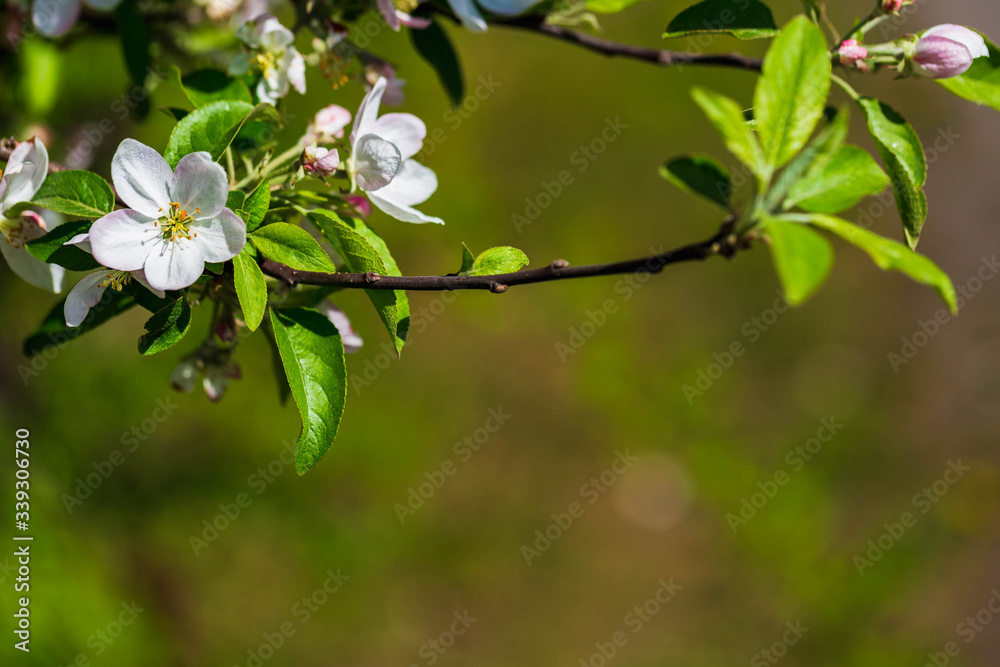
x,y
972,40
199,184
81,241
123,239
352,341
395,204
140,277
468,14
33,152
87,294
375,162
403,129
31,270
174,265
16,185
330,121
507,7
388,12
368,111
142,178
295,67
54,17
413,184
220,238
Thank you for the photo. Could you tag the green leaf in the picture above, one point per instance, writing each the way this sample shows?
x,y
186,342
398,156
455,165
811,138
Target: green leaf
x,y
81,194
889,254
981,82
250,288
213,127
208,85
850,176
802,257
53,332
610,6
235,201
256,206
700,175
358,246
813,158
292,246
312,355
468,259
52,247
747,19
727,117
433,45
791,94
495,261
903,156
166,327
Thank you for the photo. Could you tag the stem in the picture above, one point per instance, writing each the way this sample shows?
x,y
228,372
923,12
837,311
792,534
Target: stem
x,y
846,86
230,167
875,18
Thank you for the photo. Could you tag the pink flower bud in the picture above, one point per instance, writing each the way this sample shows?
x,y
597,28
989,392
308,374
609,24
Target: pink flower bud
x,y
328,124
360,204
946,51
891,6
851,52
320,161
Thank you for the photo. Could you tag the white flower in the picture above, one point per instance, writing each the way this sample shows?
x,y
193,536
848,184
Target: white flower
x,y
380,162
175,221
56,17
468,13
90,290
947,50
352,341
280,64
328,124
26,171
396,17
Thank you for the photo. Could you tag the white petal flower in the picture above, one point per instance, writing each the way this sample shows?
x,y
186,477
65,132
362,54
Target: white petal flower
x,y
328,124
176,222
280,64
470,16
55,17
395,17
381,161
26,171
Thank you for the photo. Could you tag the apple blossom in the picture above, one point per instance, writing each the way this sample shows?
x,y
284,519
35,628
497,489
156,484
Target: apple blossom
x,y
320,161
27,168
381,164
470,16
176,221
274,54
946,51
55,17
892,6
352,341
394,95
852,52
328,124
395,16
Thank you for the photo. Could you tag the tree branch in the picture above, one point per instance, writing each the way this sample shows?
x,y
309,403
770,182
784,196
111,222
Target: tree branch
x,y
724,243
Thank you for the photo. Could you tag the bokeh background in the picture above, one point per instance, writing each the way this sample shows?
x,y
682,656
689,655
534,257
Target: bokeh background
x,y
130,541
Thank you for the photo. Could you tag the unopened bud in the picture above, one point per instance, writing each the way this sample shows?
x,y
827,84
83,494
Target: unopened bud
x,y
947,51
184,376
320,161
852,52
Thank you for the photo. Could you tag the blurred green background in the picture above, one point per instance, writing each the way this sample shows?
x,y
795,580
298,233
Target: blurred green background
x,y
665,517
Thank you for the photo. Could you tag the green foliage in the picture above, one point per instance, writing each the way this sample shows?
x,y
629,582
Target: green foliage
x,y
610,6
802,257
213,127
208,85
254,209
848,177
904,159
468,259
700,175
52,247
791,94
312,355
166,327
727,117
292,246
365,252
748,19
981,82
434,46
81,194
251,289
496,261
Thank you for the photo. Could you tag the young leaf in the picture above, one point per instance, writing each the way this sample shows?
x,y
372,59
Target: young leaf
x,y
292,246
53,331
802,257
850,176
748,19
312,355
235,201
494,261
700,176
354,242
813,158
208,85
981,82
213,127
904,159
610,6
250,288
433,45
52,247
889,254
166,327
727,117
256,205
468,259
792,92
81,194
